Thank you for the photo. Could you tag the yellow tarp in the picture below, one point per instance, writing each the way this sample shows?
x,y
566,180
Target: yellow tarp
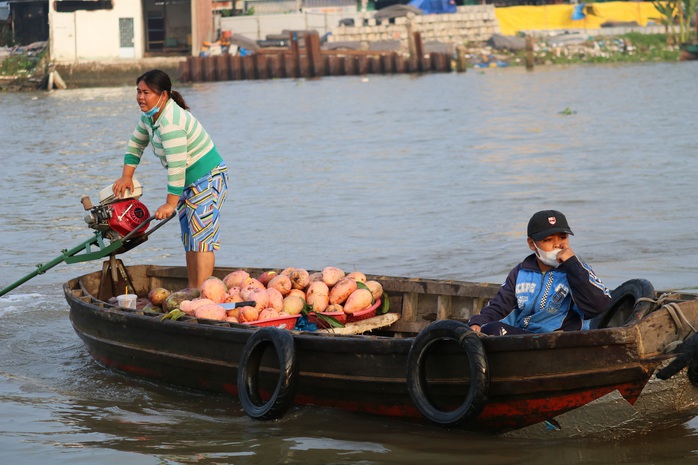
x,y
531,18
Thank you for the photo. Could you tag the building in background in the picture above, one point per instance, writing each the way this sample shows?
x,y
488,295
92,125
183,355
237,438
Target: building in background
x,y
99,30
23,22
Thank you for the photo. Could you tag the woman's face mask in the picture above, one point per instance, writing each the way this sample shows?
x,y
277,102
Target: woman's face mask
x,y
549,258
156,108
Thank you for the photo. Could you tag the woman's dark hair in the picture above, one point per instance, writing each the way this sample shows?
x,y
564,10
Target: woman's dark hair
x,y
159,81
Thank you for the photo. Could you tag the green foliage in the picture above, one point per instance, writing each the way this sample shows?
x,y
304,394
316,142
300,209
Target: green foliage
x,y
19,64
687,10
667,10
629,48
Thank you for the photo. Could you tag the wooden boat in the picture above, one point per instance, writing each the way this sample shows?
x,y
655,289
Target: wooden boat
x,y
425,366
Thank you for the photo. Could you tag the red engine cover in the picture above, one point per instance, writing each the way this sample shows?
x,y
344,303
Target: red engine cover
x,y
127,215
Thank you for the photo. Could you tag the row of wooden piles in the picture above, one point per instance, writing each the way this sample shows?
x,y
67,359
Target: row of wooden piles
x,y
311,61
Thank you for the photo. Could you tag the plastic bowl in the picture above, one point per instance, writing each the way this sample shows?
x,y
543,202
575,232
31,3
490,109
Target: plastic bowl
x,y
283,322
339,316
363,314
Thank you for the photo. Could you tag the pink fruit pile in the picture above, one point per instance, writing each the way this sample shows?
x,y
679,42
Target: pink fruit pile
x,y
277,294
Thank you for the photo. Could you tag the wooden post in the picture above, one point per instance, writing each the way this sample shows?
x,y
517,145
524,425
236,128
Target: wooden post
x,y
184,71
194,69
274,62
387,63
529,52
222,68
235,68
350,65
461,59
312,50
248,68
361,64
209,70
290,65
261,65
419,51
398,63
332,65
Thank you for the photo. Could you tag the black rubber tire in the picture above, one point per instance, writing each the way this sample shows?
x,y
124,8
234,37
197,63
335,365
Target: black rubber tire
x,y
478,390
625,309
248,374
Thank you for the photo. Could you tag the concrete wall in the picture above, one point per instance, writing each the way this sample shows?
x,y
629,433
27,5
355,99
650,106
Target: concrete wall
x,y
201,24
94,35
470,23
258,27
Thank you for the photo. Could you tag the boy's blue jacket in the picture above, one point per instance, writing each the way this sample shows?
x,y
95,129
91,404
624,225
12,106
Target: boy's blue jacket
x,y
563,298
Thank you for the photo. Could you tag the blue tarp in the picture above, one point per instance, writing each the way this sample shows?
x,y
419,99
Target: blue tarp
x,y
578,12
434,6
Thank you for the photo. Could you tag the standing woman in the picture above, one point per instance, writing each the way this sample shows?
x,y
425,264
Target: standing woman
x,y
197,179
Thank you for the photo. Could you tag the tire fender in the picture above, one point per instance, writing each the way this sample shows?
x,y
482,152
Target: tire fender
x,y
477,393
248,374
625,306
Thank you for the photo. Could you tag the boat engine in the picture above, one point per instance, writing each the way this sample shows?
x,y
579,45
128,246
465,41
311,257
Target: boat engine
x,y
117,218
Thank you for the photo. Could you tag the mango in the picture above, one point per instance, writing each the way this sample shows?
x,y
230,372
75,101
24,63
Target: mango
x,y
331,275
360,299
341,291
318,296
158,295
300,278
293,305
215,289
281,283
236,278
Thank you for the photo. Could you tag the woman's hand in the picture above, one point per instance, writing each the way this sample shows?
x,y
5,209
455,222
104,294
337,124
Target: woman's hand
x,y
164,212
120,186
476,328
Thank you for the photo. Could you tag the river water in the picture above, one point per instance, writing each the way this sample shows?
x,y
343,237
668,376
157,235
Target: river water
x,y
433,176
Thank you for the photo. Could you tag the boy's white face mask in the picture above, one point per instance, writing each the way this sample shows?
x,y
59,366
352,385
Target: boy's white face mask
x,y
549,258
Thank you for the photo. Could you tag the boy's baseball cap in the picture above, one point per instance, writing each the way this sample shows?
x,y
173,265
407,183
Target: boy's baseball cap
x,y
547,222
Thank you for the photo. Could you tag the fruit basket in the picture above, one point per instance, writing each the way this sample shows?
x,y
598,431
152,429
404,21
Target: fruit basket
x,y
339,316
283,322
363,314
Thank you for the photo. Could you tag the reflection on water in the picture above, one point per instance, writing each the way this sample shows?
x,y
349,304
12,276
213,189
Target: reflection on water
x,y
432,176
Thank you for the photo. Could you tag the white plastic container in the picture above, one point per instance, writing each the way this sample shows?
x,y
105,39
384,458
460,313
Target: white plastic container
x,y
127,300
